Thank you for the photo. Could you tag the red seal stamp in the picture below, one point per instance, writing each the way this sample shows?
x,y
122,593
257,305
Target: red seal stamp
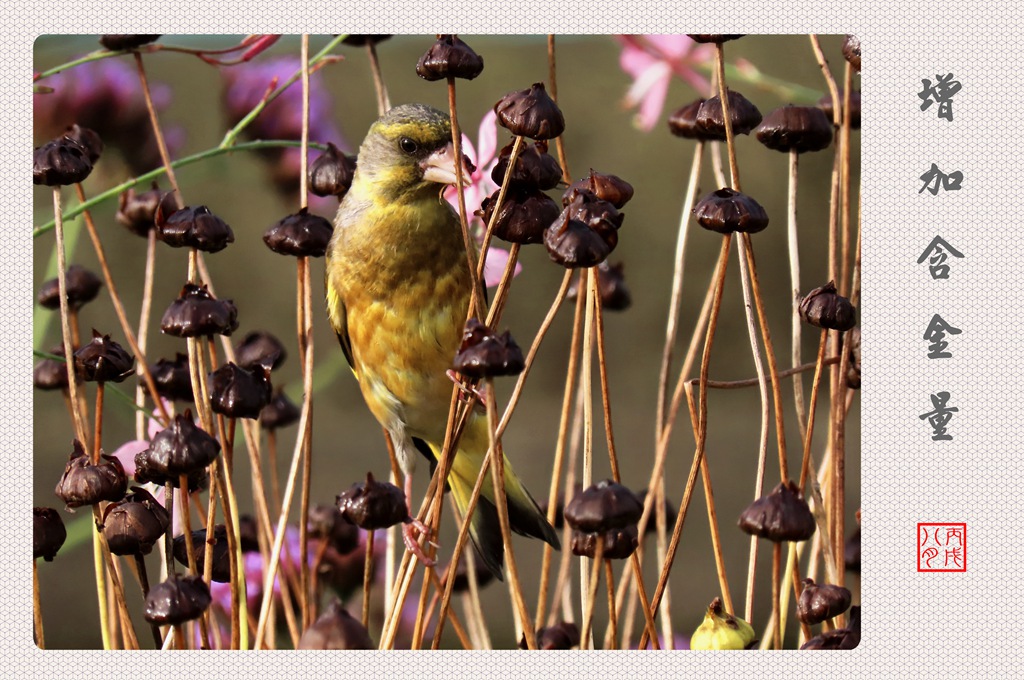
x,y
941,546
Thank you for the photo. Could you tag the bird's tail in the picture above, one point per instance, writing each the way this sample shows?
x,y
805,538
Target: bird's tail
x,y
525,517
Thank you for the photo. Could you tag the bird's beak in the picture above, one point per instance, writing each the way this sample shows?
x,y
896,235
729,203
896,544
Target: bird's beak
x,y
440,166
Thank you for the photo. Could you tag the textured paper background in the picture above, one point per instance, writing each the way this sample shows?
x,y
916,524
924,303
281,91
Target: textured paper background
x,y
915,625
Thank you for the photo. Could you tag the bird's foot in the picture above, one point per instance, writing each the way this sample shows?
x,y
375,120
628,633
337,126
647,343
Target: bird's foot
x,y
412,529
465,392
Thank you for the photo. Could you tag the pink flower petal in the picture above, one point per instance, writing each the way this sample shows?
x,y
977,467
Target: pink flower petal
x,y
487,138
126,454
494,266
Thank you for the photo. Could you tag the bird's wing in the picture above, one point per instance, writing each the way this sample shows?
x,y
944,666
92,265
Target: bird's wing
x,y
339,321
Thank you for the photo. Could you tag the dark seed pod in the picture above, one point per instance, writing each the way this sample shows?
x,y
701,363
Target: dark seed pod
x,y
853,349
259,347
597,213
179,449
373,505
683,123
363,40
331,173
825,104
48,533
247,533
51,374
177,600
461,585
60,162
88,140
727,211
172,377
126,42
571,243
486,355
148,470
82,287
780,516
743,114
280,412
134,525
196,313
530,113
825,308
221,567
535,168
820,602
240,393
137,210
713,37
103,360
618,543
851,51
615,190
192,227
86,484
611,285
336,629
605,505
562,635
841,638
449,57
851,552
795,128
299,235
327,523
523,217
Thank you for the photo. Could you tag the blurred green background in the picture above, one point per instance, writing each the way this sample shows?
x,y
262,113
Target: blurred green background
x,y
346,440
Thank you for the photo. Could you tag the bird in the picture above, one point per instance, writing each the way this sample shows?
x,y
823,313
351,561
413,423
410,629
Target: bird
x,y
398,289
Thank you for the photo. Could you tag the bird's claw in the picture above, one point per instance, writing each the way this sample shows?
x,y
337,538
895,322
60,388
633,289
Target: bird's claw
x,y
412,529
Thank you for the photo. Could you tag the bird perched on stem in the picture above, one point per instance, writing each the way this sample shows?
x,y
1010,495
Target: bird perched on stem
x,y
398,291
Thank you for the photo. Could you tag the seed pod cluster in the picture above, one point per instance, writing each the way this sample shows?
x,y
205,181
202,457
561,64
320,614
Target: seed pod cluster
x,y
179,449
331,173
299,235
84,483
743,115
562,635
727,211
81,284
280,412
60,162
51,374
177,600
606,511
820,602
797,129
191,227
48,533
524,215
586,231
336,629
196,313
103,360
824,307
137,210
486,355
449,57
328,523
530,113
373,505
237,392
134,525
221,565
782,515
172,377
611,286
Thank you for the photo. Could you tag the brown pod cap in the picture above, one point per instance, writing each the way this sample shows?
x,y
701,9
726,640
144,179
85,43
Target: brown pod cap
x,y
683,123
280,412
535,168
851,51
60,162
87,139
611,285
103,360
571,243
179,449
603,506
853,349
221,567
606,187
825,104
820,602
523,217
299,235
727,211
336,629
486,355
332,172
461,585
259,347
240,393
562,635
82,287
86,484
148,470
841,638
373,505
248,533
196,313
618,543
851,552
530,113
136,210
825,308
48,533
327,523
134,525
449,57
50,374
743,113
172,377
795,128
713,37
177,600
126,42
191,227
363,40
780,516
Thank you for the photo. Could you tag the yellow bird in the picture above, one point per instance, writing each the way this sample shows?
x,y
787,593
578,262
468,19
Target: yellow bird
x,y
398,289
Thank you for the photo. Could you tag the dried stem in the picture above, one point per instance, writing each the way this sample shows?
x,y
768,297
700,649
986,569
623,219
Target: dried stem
x,y
367,578
590,597
794,277
806,461
37,608
383,102
553,90
65,326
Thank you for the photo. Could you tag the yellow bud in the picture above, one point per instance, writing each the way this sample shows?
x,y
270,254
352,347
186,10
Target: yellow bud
x,y
721,630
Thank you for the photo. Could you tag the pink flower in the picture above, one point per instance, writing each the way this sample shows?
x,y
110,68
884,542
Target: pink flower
x,y
652,60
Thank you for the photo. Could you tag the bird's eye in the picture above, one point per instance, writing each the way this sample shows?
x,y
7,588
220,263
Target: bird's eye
x,y
408,146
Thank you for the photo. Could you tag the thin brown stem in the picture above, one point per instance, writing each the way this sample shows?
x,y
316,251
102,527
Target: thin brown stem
x,y
65,326
97,437
158,134
603,374
776,577
144,313
590,597
612,617
723,93
383,102
553,89
806,461
37,608
367,578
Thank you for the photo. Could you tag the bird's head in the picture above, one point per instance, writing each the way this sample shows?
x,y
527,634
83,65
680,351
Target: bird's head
x,y
409,150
